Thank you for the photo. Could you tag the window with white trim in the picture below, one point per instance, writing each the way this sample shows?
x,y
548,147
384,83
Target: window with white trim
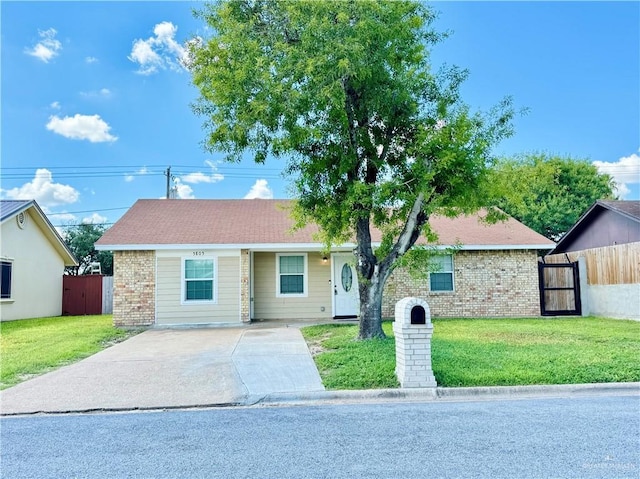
x,y
441,275
291,274
199,276
5,281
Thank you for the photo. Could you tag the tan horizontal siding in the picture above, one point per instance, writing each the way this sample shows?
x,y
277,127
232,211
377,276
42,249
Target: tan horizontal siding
x,y
267,306
169,309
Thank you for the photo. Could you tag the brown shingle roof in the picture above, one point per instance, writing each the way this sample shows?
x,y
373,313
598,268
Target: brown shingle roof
x,y
628,208
265,222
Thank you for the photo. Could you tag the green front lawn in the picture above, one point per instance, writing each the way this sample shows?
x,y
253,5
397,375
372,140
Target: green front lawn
x,y
33,346
487,352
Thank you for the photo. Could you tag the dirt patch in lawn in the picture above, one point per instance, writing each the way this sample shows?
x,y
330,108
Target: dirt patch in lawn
x,y
315,345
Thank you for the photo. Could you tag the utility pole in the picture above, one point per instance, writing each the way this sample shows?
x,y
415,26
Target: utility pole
x,y
168,175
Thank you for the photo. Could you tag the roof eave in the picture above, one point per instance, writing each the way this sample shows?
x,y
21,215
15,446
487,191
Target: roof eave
x,y
576,226
619,211
304,247
52,235
13,213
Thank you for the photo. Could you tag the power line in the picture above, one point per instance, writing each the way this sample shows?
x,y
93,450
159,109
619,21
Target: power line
x,y
80,167
125,174
72,225
89,211
128,168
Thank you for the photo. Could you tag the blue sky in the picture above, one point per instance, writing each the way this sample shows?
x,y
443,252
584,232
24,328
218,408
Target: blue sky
x,y
95,105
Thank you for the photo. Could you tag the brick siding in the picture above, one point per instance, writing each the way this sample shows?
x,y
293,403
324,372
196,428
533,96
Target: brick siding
x,y
134,288
487,284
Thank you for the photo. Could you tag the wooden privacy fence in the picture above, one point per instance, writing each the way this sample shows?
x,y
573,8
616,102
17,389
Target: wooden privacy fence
x,y
107,294
617,264
559,288
87,294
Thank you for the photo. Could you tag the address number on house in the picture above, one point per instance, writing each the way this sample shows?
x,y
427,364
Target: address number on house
x,y
198,253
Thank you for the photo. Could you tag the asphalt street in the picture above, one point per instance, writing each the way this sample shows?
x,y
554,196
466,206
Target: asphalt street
x,y
595,437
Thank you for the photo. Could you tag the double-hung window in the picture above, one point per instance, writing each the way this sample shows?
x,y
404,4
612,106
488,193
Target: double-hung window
x,y
5,281
441,275
291,271
199,277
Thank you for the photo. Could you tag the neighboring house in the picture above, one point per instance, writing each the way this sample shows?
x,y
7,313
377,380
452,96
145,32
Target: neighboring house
x,y
606,241
221,261
32,257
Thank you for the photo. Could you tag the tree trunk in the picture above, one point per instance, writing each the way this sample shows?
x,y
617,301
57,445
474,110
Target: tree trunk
x,y
371,307
372,275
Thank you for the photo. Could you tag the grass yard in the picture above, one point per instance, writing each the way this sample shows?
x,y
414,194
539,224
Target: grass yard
x,y
487,352
30,347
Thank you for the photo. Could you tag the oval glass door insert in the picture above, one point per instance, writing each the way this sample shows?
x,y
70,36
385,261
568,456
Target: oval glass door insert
x,y
347,277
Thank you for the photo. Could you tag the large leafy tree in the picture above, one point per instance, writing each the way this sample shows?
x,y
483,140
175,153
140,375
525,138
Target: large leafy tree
x,y
81,241
345,92
549,193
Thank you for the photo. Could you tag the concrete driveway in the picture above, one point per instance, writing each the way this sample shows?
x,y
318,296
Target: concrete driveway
x,y
175,368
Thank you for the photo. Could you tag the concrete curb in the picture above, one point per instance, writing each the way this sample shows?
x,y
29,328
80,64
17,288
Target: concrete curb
x,y
108,410
383,395
451,394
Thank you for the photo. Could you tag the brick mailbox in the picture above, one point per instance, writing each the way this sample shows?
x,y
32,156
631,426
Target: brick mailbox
x,y
413,330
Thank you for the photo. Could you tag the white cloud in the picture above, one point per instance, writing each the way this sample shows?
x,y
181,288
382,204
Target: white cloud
x,y
81,127
158,52
140,172
183,192
94,219
199,177
102,93
90,60
47,48
44,191
621,190
625,171
260,189
55,105
143,54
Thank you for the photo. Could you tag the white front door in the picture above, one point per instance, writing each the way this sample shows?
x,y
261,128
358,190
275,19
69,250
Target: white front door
x,y
345,286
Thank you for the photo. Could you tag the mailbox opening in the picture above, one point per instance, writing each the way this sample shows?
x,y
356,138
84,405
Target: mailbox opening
x,y
418,315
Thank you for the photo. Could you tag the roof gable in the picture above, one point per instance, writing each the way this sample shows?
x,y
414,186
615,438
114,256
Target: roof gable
x,y
626,209
9,209
153,224
630,209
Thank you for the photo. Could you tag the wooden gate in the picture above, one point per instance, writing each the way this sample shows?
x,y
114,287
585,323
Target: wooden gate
x,y
81,295
559,289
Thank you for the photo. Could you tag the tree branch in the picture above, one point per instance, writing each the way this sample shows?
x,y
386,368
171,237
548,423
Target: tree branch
x,y
409,235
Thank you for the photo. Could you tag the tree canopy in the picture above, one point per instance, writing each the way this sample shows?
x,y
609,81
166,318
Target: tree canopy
x,y
81,241
344,91
549,193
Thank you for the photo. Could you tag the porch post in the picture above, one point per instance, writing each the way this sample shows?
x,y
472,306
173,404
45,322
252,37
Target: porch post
x,y
245,294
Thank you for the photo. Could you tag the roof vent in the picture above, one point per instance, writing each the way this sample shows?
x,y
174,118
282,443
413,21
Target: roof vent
x,y
22,220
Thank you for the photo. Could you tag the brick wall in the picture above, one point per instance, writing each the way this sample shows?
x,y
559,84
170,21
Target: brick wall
x,y
134,288
245,294
487,284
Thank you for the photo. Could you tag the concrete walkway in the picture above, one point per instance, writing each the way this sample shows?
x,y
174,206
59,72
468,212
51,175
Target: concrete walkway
x,y
173,368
